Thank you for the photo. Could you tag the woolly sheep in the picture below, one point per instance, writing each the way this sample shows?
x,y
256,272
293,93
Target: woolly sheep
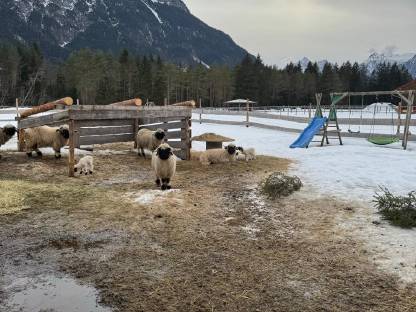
x,y
148,139
195,155
6,133
85,165
246,153
45,136
219,155
164,165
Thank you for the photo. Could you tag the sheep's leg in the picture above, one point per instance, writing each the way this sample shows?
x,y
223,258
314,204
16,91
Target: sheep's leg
x,y
165,184
58,153
168,184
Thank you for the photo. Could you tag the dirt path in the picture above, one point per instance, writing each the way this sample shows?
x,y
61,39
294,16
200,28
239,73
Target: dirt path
x,y
212,244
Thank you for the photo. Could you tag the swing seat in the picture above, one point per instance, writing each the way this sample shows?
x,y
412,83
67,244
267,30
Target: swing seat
x,y
383,140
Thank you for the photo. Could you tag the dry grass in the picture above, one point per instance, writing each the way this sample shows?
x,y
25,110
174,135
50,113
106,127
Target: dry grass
x,y
215,244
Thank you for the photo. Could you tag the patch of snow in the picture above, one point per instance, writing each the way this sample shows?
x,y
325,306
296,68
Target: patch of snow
x,y
196,59
153,11
147,197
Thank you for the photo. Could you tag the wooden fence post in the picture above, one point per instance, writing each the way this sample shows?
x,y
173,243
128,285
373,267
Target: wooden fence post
x,y
71,155
188,136
135,130
200,111
247,114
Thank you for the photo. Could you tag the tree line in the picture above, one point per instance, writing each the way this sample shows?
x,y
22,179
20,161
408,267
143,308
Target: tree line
x,y
96,77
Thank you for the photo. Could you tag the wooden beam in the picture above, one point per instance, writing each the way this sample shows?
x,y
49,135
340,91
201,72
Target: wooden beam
x,y
133,102
106,130
43,120
71,155
46,107
165,126
105,139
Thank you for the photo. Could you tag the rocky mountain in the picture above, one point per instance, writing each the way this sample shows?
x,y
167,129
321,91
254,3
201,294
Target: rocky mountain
x,y
408,60
159,27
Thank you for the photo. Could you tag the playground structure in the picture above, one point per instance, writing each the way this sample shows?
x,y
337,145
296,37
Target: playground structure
x,y
330,124
114,123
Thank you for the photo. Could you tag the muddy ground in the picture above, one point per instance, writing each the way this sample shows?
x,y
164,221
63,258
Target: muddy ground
x,y
212,244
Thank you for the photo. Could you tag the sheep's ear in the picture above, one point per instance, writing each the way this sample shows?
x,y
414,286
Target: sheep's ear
x,y
57,130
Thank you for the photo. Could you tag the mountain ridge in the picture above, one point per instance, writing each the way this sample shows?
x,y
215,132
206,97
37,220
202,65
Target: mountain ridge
x,y
158,27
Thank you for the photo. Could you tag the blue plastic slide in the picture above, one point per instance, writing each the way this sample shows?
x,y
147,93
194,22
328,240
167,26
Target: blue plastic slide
x,y
310,131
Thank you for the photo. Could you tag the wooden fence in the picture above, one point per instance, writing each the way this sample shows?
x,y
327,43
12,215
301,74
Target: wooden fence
x,y
90,125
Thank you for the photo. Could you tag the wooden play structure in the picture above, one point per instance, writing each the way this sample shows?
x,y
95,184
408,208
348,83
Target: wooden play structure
x,y
406,96
331,127
117,122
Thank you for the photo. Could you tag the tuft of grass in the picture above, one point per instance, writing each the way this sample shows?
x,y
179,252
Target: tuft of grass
x,y
278,184
398,210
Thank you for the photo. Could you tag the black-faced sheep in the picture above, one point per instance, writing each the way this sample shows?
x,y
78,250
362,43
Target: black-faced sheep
x,y
219,155
164,165
148,139
45,136
246,153
85,165
6,133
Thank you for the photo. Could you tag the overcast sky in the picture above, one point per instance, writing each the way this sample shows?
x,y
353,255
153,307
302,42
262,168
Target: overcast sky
x,y
336,30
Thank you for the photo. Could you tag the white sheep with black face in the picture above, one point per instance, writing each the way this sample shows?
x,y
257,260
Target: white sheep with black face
x,y
219,155
164,165
45,136
148,139
85,165
6,133
246,153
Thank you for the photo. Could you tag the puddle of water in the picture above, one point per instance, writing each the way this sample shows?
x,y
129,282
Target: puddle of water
x,y
51,294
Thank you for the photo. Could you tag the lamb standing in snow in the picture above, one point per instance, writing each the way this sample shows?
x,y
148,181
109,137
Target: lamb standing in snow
x,y
164,165
85,165
219,155
45,136
6,133
148,139
246,154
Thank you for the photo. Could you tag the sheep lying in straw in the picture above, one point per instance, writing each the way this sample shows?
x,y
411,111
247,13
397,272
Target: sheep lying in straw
x,y
45,136
6,133
246,153
219,155
148,139
164,165
195,155
85,165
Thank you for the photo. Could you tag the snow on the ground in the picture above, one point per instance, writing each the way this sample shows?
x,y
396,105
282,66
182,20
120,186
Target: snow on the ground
x,y
352,173
379,129
354,170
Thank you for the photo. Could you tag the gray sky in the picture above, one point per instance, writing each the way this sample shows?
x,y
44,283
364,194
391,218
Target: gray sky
x,y
336,30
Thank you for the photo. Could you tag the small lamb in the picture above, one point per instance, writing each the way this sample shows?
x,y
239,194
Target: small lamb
x,y
85,165
247,154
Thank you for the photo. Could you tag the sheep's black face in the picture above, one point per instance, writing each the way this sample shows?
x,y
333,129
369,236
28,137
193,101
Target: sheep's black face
x,y
240,148
64,132
231,149
9,130
160,135
164,153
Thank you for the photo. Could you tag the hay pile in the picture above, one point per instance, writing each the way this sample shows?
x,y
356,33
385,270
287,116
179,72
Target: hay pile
x,y
278,184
